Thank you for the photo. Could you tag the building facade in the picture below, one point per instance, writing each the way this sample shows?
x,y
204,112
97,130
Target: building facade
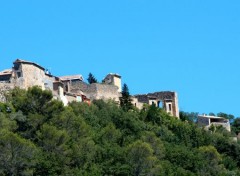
x,y
208,121
167,100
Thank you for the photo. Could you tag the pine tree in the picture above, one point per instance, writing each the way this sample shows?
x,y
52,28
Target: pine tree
x,y
125,100
91,79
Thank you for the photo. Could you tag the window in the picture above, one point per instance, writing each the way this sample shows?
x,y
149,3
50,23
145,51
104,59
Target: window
x,y
19,74
170,107
66,88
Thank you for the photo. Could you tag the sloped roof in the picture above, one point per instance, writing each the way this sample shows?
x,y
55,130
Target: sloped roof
x,y
114,74
71,77
6,72
28,62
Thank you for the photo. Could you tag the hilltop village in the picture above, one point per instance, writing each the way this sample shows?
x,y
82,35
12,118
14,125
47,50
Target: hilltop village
x,y
25,74
41,136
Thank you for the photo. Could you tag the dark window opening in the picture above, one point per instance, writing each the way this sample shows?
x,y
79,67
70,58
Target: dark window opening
x,y
170,107
66,88
219,120
19,74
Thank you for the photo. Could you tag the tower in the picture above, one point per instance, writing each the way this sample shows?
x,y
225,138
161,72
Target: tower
x,y
113,79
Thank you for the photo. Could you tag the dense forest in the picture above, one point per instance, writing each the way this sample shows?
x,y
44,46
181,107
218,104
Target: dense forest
x,y
39,136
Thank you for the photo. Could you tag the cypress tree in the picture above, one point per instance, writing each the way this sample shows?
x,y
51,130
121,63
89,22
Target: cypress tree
x,y
91,79
125,100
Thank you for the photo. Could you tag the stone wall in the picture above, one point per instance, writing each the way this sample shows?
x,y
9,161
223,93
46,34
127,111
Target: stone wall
x,y
166,97
203,121
113,79
96,90
30,76
79,86
142,98
4,88
136,103
106,92
48,82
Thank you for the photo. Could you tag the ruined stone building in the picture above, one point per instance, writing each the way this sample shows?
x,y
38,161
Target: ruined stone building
x,y
25,74
207,121
94,91
166,100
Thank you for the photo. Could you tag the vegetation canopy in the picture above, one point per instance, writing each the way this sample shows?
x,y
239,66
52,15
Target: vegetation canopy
x,y
39,136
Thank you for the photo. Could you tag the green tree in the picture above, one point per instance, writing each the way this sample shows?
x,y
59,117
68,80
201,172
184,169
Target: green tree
x,y
227,116
54,158
91,79
125,99
7,123
186,116
140,158
17,156
236,125
209,160
156,144
34,100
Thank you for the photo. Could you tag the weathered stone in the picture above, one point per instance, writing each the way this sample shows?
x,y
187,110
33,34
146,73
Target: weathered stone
x,y
207,121
168,99
26,74
4,88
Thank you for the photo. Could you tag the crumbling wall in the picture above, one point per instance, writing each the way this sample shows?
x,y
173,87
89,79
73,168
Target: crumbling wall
x,y
106,92
166,97
4,88
203,121
142,98
136,103
97,91
79,86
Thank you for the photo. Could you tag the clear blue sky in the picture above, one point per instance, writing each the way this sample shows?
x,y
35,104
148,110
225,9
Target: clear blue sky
x,y
188,46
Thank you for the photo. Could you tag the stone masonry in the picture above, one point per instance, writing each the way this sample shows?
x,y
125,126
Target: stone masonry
x,y
167,100
4,88
25,74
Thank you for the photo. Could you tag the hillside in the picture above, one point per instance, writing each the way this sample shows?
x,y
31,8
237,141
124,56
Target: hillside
x,y
39,136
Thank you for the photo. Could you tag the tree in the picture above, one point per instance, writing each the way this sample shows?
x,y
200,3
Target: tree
x,y
236,125
209,160
125,100
91,79
140,158
186,116
34,100
55,150
17,156
230,117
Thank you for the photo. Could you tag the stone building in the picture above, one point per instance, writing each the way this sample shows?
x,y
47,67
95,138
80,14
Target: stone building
x,y
207,121
113,79
167,100
5,76
25,74
95,91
